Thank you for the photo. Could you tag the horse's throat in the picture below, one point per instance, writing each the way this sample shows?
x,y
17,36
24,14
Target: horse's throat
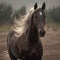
x,y
33,35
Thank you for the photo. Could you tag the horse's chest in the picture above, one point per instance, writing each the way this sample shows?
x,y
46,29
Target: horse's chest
x,y
34,50
18,45
23,43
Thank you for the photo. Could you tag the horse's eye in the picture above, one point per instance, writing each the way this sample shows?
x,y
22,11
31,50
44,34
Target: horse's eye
x,y
40,13
35,16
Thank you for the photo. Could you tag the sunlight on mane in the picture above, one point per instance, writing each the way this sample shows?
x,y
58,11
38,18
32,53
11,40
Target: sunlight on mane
x,y
20,26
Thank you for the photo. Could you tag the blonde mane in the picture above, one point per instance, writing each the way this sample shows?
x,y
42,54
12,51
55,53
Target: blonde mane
x,y
20,26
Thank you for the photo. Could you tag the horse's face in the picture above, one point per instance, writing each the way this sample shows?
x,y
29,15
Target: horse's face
x,y
39,19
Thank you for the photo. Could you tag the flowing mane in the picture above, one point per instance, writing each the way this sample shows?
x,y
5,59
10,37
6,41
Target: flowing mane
x,y
20,26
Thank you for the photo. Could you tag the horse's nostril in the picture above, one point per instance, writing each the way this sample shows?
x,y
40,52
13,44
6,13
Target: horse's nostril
x,y
42,33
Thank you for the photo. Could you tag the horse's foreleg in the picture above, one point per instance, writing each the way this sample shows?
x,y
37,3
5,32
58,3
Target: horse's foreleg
x,y
39,58
11,56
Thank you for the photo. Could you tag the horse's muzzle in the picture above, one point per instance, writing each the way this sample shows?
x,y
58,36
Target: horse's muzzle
x,y
42,33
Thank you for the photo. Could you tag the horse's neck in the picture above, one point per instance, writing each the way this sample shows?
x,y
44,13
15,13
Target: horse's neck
x,y
33,35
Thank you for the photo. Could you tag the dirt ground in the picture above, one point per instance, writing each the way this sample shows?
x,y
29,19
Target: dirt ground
x,y
51,46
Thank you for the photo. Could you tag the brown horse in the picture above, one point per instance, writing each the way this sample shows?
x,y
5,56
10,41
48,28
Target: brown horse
x,y
23,41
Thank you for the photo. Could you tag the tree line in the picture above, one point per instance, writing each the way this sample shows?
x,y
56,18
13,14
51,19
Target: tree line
x,y
53,15
7,14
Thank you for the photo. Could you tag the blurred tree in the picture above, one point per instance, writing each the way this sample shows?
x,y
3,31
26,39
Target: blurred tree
x,y
5,13
53,15
9,13
20,12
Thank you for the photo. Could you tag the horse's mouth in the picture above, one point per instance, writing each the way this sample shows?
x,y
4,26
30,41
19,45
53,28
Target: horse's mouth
x,y
42,33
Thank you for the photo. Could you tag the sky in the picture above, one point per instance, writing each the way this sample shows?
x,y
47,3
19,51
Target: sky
x,y
16,4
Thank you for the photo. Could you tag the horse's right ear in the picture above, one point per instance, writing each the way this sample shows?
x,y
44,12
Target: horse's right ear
x,y
43,6
35,6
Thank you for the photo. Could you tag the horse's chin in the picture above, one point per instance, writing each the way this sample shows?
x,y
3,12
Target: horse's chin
x,y
42,34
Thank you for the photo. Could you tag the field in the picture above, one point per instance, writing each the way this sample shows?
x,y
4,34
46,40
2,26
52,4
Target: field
x,y
51,46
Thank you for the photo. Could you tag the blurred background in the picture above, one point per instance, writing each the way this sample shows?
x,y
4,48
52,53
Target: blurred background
x,y
11,8
17,8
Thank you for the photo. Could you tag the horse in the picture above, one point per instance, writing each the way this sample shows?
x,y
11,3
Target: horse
x,y
23,41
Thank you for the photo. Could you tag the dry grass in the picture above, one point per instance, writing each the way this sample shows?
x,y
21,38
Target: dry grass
x,y
53,26
51,46
4,28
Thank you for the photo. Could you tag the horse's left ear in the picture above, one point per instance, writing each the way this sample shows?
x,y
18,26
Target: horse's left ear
x,y
35,6
43,6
